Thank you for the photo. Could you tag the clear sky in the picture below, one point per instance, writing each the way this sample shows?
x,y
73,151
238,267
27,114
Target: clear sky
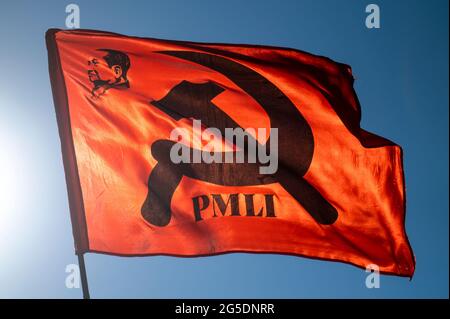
x,y
402,80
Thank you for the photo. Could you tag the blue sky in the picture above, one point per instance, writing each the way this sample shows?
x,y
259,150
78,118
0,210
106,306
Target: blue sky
x,y
402,80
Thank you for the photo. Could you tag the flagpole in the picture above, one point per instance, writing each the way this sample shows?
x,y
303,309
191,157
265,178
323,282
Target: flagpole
x,y
83,276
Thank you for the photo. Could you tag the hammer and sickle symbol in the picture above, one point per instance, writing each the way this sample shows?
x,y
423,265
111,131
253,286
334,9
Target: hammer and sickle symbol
x,y
191,100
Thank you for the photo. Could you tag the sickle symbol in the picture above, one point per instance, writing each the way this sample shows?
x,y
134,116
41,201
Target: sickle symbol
x,y
190,100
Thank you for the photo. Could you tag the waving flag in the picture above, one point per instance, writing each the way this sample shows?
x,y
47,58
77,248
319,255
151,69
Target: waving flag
x,y
151,168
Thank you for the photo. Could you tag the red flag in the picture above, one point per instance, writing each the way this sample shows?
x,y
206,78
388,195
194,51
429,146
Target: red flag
x,y
144,129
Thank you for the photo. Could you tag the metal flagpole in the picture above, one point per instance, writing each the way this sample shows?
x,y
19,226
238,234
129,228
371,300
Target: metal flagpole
x,y
83,276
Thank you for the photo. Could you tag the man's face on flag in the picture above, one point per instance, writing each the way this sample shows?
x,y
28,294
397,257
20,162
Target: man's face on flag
x,y
100,73
107,69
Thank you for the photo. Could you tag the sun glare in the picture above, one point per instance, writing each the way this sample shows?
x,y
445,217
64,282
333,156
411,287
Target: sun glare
x,y
9,170
7,184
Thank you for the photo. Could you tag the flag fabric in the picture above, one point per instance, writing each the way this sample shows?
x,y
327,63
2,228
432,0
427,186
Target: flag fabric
x,y
331,190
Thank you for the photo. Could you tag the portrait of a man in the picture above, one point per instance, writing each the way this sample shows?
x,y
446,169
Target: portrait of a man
x,y
107,70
